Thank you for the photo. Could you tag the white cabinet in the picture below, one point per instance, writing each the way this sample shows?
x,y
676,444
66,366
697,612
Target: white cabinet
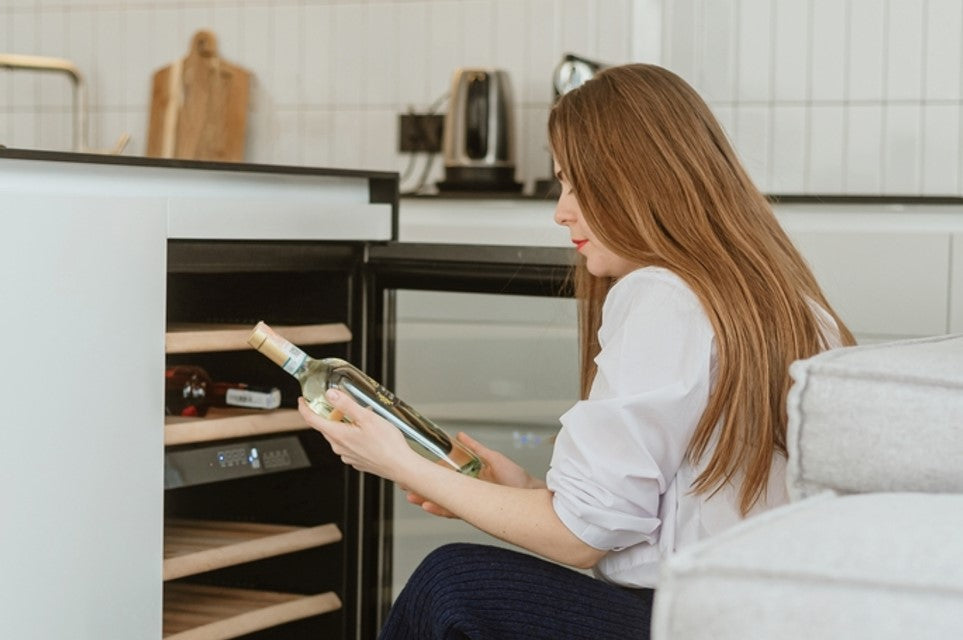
x,y
84,285
82,282
883,285
887,269
891,270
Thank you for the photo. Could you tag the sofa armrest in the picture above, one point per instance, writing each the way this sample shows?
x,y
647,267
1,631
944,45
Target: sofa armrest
x,y
883,417
882,566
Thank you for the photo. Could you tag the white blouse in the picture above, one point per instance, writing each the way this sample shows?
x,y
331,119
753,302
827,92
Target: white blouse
x,y
619,472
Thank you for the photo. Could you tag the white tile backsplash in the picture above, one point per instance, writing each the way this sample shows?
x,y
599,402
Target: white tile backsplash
x,y
828,50
317,137
613,36
904,51
107,77
512,45
754,51
791,28
941,134
944,20
790,133
717,73
751,139
477,23
348,23
826,149
845,96
681,42
854,84
575,30
867,50
864,150
316,64
446,45
286,70
541,60
24,85
901,149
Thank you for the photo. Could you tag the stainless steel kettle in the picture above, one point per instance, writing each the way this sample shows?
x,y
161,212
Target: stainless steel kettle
x,y
479,136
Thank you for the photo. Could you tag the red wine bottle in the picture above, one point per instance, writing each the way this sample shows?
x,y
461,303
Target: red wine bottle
x,y
185,390
189,391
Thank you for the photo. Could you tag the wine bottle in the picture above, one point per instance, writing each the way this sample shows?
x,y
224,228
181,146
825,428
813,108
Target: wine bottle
x,y
185,390
189,391
318,375
241,394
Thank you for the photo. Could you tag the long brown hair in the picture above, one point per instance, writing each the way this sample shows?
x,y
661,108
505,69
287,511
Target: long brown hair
x,y
659,184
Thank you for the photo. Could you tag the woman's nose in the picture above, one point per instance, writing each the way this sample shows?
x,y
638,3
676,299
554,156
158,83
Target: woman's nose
x,y
562,216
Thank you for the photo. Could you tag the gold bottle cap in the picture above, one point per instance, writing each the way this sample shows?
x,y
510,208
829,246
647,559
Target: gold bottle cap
x,y
259,335
267,341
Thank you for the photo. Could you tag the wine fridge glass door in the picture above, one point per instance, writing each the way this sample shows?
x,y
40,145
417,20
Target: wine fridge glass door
x,y
501,368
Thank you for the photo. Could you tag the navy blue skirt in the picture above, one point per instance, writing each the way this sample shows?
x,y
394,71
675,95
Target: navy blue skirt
x,y
486,593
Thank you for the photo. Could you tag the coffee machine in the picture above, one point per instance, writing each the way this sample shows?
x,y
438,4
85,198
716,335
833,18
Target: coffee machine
x,y
572,72
479,136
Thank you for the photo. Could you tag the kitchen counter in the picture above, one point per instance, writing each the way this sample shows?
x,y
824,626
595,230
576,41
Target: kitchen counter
x,y
892,267
207,200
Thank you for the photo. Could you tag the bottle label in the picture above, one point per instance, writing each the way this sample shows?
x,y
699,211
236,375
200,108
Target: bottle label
x,y
296,358
254,399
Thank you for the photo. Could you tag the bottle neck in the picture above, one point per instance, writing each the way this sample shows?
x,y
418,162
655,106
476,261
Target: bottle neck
x,y
280,351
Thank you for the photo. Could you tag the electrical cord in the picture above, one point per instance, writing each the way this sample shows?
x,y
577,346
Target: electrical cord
x,y
429,156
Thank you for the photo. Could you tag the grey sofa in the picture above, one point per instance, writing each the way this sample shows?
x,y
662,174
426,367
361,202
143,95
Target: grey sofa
x,y
871,545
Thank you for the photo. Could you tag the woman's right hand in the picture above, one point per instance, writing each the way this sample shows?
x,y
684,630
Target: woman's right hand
x,y
498,468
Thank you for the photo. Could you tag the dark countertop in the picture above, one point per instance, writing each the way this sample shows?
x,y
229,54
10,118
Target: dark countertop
x,y
385,183
174,163
775,198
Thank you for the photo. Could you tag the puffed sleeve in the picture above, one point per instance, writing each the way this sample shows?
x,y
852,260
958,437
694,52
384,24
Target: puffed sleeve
x,y
618,451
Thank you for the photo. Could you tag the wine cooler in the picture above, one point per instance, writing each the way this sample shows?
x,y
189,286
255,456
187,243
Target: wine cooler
x,y
261,521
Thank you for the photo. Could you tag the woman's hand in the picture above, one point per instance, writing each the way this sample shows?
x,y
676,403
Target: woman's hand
x,y
498,468
369,443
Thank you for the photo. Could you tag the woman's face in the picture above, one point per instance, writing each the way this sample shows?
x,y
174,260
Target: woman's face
x,y
599,260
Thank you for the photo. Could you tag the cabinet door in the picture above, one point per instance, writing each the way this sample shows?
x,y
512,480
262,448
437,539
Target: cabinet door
x,y
477,338
82,284
884,285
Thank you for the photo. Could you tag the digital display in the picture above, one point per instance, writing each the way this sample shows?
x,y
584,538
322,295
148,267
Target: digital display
x,y
200,465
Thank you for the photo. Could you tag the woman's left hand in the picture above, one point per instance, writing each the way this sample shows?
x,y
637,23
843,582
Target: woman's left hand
x,y
368,443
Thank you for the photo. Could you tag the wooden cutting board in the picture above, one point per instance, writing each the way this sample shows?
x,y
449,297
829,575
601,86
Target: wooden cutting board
x,y
198,106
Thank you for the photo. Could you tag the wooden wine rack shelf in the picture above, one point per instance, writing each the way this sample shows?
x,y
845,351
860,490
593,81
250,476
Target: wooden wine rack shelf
x,y
208,338
199,612
221,424
191,547
196,546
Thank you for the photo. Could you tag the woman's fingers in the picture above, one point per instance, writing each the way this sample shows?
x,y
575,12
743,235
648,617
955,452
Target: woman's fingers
x,y
428,506
471,443
344,406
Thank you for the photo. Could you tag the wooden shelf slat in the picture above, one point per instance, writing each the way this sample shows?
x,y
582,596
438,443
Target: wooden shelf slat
x,y
222,423
200,612
196,546
201,338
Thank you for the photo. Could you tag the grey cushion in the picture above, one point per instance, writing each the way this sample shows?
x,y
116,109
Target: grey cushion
x,y
877,566
884,417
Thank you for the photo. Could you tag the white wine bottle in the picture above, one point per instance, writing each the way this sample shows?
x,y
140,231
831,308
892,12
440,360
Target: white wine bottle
x,y
318,375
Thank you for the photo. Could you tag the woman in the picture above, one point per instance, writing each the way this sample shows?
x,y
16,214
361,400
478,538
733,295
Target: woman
x,y
693,303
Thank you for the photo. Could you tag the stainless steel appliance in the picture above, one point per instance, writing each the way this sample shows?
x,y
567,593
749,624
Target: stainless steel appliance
x,y
479,137
572,72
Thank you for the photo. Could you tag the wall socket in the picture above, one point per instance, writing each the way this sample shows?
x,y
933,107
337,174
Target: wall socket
x,y
420,132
